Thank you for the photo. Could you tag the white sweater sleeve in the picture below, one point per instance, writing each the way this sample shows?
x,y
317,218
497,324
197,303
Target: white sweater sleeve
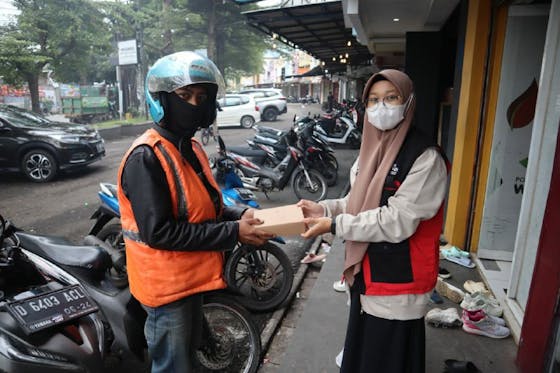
x,y
418,198
334,207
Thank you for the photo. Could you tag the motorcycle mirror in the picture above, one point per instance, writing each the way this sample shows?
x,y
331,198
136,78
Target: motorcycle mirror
x,y
221,144
212,162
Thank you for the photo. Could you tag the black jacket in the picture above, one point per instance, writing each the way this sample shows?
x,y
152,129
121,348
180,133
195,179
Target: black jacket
x,y
145,185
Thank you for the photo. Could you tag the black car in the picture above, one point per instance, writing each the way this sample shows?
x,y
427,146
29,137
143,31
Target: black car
x,y
40,148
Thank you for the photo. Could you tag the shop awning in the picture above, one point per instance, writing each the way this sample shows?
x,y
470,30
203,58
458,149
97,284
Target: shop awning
x,y
317,29
316,71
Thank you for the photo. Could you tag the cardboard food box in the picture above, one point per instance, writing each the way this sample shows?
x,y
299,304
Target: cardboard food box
x,y
282,221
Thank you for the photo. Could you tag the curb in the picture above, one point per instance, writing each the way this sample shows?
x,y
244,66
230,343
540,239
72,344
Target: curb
x,y
123,130
274,322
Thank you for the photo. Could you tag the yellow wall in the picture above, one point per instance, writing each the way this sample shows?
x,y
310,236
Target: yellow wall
x,y
468,122
497,49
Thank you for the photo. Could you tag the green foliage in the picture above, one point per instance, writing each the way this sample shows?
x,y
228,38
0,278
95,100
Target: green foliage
x,y
20,58
76,38
243,46
66,34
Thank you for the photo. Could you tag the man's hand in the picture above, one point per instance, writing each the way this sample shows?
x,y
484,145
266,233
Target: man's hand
x,y
316,226
250,234
248,214
311,209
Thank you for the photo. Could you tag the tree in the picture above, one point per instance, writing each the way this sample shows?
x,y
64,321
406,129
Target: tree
x,y
62,33
232,44
21,61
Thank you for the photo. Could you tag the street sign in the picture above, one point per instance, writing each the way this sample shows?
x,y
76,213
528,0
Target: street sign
x,y
127,52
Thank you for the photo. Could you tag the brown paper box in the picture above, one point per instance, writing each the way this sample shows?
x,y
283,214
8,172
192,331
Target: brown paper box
x,y
282,221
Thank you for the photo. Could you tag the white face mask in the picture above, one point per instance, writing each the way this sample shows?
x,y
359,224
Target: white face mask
x,y
384,116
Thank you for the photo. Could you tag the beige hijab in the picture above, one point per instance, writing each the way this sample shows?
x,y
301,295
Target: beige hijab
x,y
377,154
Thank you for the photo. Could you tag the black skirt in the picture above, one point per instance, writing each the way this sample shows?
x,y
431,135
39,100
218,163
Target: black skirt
x,y
377,345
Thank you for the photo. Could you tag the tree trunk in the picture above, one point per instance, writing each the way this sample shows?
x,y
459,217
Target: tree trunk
x,y
33,83
167,35
220,51
211,47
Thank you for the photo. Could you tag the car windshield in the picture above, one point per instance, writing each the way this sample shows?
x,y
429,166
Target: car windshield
x,y
23,118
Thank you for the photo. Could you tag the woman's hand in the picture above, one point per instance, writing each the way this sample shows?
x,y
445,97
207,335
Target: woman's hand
x,y
316,226
311,209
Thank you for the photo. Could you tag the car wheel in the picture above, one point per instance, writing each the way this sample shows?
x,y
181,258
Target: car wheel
x,y
270,114
247,121
39,166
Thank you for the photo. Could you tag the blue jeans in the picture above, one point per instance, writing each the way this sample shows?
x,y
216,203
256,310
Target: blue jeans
x,y
173,334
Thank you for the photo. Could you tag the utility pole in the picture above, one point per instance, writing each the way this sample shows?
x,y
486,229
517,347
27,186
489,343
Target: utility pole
x,y
141,69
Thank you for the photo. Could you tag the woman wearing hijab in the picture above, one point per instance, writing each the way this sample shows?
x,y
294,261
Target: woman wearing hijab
x,y
391,221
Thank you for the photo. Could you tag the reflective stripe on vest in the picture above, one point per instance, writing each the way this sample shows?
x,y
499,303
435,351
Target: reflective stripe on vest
x,y
181,200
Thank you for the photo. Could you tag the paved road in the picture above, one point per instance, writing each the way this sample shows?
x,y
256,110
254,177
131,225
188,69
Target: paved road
x,y
64,206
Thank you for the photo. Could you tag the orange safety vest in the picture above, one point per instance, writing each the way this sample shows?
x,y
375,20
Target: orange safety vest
x,y
158,276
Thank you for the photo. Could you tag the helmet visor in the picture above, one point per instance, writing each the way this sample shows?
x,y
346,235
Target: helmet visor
x,y
182,69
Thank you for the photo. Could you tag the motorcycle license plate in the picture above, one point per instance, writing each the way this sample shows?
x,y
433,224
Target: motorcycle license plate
x,y
52,308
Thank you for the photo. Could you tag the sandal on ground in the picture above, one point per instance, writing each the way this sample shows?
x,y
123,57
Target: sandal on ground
x,y
458,366
454,255
465,262
472,287
312,258
454,251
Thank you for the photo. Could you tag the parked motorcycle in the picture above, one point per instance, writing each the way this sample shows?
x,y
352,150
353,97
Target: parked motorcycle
x,y
211,131
260,277
271,147
307,183
338,128
72,317
46,324
206,134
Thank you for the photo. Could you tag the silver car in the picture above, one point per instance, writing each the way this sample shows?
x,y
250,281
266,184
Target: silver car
x,y
271,102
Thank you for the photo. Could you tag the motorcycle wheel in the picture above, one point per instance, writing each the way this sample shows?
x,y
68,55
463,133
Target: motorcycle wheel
x,y
355,140
331,160
329,169
262,275
204,136
314,191
232,343
112,234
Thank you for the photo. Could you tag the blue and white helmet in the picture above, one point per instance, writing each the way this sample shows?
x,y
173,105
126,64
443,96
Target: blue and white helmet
x,y
178,70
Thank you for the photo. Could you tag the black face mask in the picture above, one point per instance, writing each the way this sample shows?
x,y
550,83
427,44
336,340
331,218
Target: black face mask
x,y
180,117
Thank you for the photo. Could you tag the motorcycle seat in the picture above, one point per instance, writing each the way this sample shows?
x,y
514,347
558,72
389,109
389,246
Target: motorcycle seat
x,y
270,131
256,155
266,140
62,251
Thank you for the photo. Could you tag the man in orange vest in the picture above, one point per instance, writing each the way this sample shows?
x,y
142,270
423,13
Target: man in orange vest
x,y
174,224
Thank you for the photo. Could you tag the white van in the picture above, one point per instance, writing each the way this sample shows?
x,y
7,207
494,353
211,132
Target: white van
x,y
238,110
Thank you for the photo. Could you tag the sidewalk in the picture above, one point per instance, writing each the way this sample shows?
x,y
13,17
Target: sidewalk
x,y
319,333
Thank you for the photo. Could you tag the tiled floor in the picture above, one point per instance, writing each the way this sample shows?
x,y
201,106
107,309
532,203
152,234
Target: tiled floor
x,y
497,273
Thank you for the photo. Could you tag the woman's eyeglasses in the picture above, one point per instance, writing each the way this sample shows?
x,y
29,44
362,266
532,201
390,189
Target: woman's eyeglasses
x,y
391,100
